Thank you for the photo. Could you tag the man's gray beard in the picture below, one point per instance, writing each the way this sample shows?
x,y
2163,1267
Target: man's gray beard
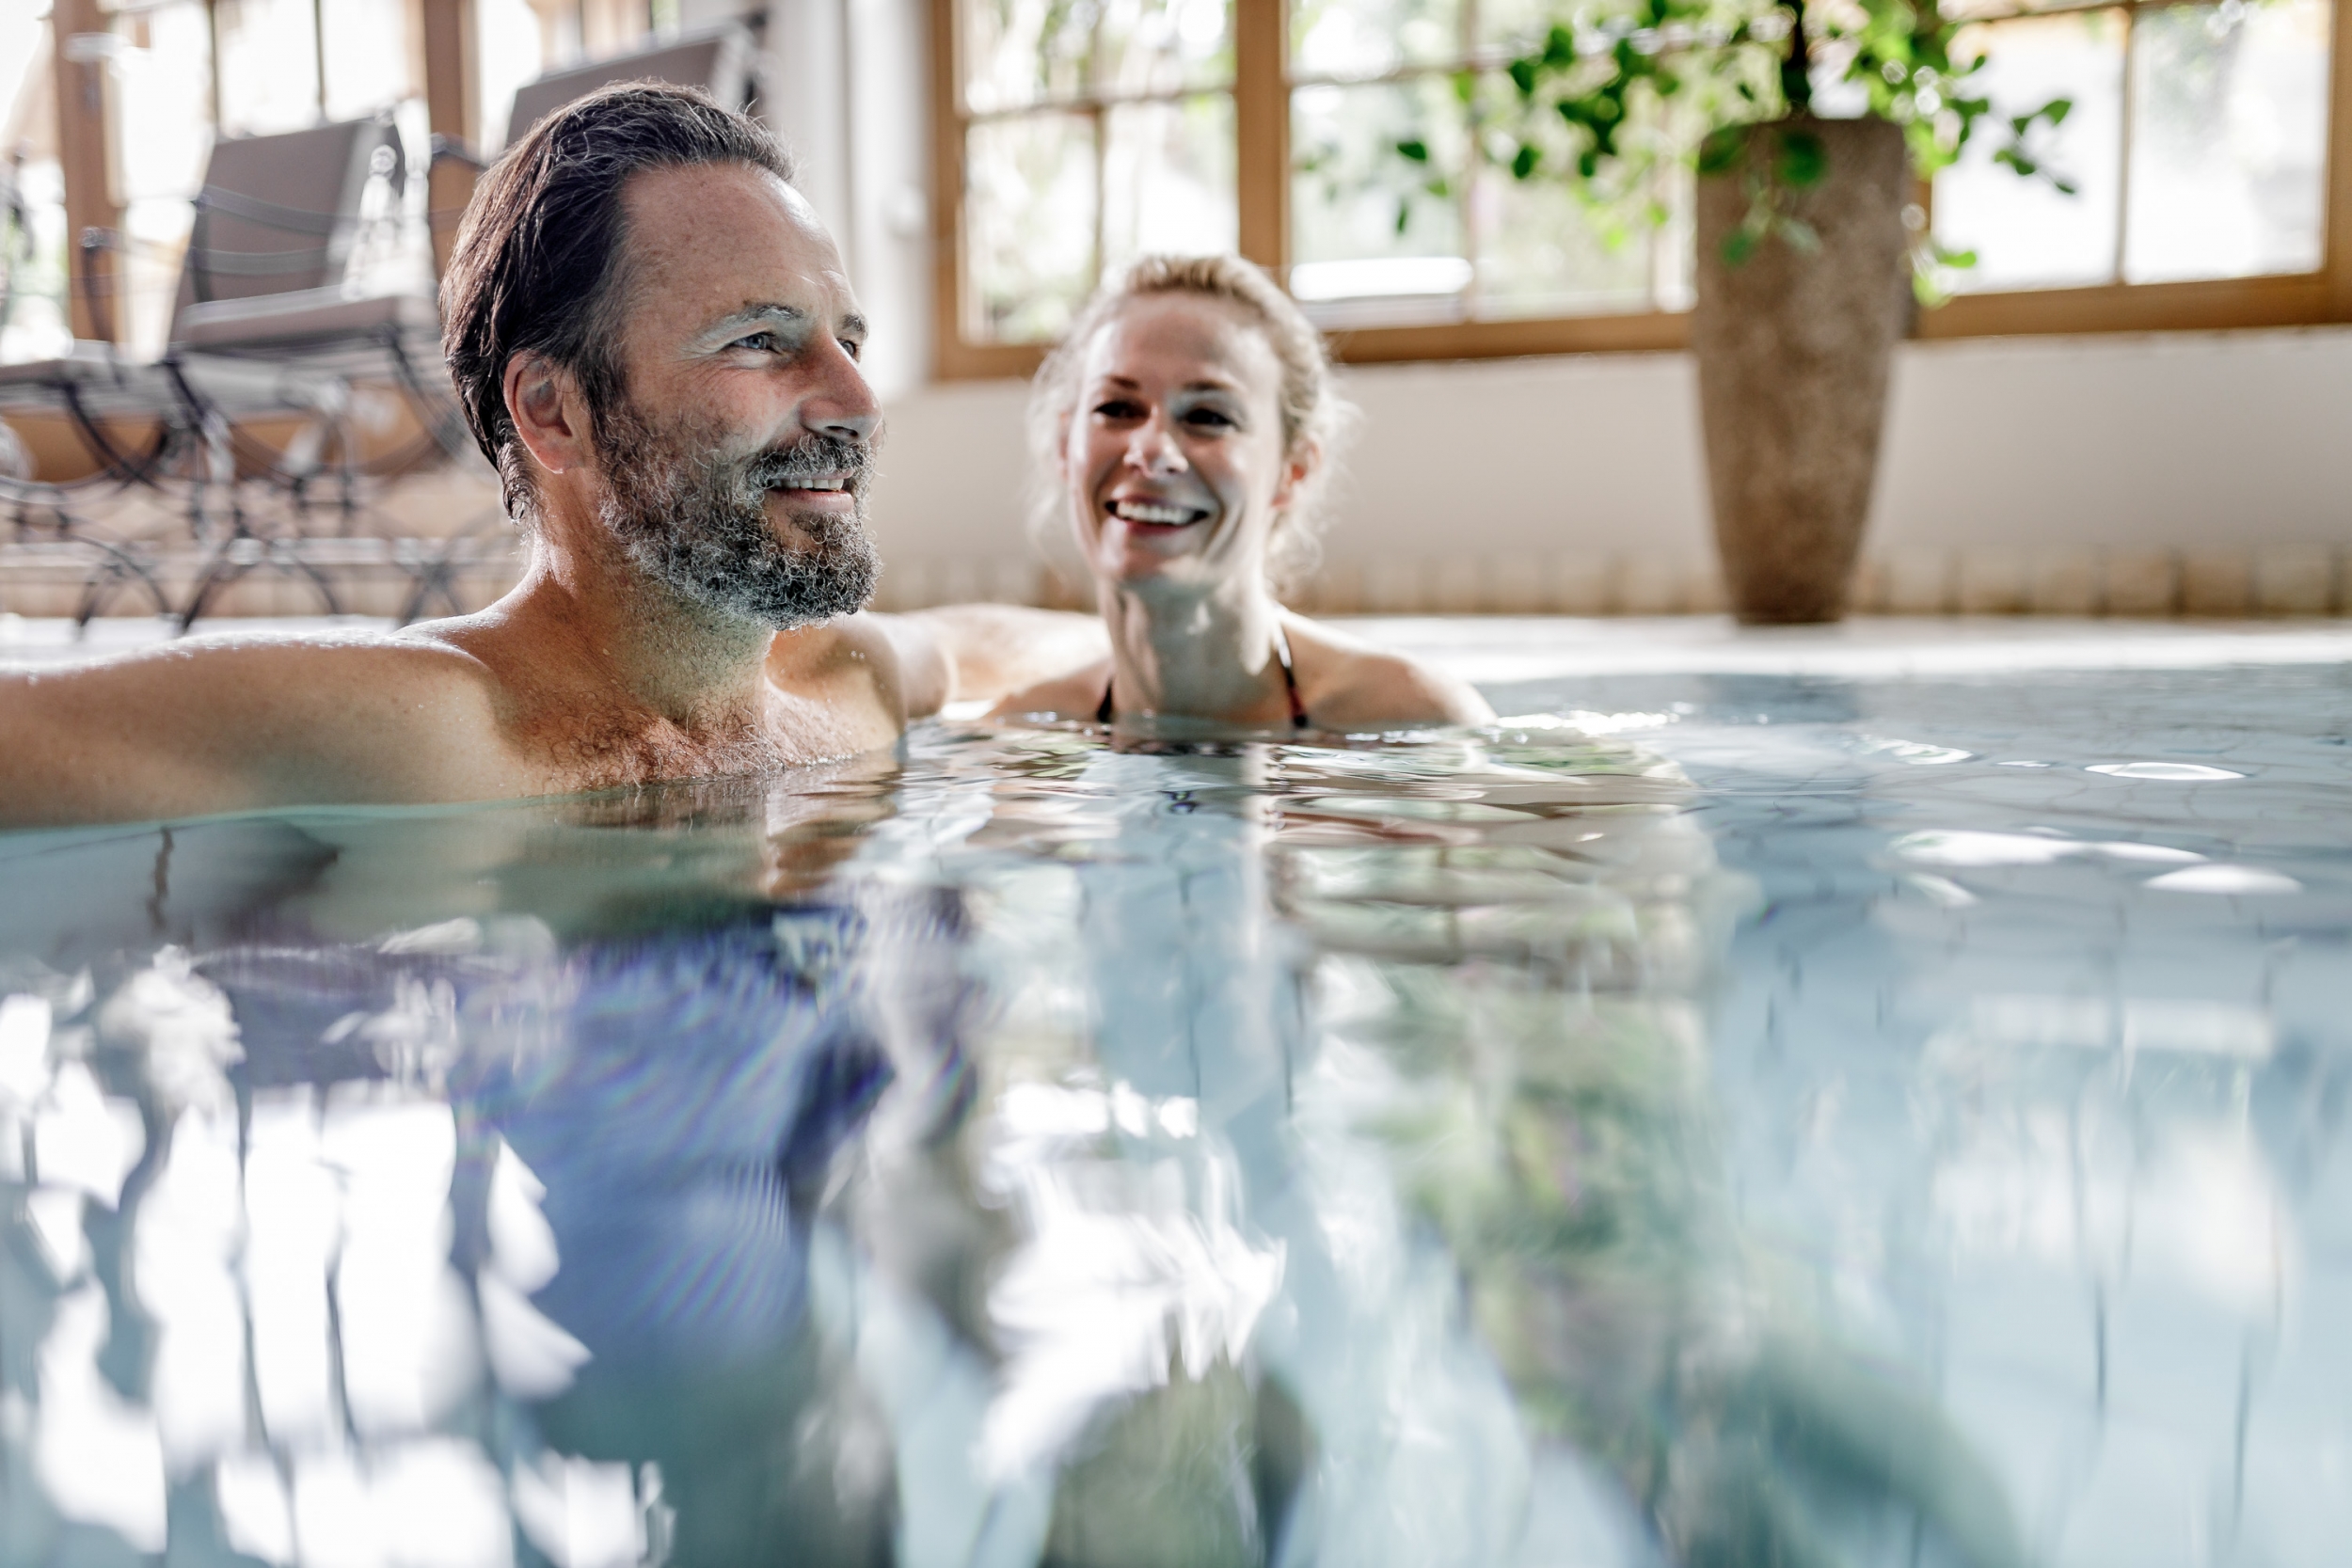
x,y
697,520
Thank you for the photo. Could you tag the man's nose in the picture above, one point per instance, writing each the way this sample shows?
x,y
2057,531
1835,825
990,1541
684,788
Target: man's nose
x,y
841,405
1152,448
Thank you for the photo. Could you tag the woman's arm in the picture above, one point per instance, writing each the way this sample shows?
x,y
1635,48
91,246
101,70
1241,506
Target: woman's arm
x,y
980,652
922,660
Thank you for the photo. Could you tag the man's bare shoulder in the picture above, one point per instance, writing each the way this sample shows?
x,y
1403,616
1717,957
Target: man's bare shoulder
x,y
1347,682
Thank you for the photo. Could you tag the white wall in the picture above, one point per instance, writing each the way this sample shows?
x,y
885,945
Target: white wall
x,y
2050,473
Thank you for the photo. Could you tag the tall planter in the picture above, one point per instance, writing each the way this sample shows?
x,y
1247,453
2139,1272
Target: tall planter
x,y
1793,347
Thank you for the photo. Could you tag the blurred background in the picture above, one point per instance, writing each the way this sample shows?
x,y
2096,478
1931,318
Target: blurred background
x,y
2130,404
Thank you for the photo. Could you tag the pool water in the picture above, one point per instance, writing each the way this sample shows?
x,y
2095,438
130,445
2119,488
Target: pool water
x,y
1709,1120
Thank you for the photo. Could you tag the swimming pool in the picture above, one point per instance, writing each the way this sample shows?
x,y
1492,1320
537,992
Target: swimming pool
x,y
1720,1112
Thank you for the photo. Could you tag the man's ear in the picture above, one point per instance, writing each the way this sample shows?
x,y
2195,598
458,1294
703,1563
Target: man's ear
x,y
550,417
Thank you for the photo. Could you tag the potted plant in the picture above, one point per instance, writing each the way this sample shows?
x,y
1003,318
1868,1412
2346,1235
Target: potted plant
x,y
1811,247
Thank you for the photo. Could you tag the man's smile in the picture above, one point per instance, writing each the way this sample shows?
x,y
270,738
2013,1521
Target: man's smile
x,y
825,492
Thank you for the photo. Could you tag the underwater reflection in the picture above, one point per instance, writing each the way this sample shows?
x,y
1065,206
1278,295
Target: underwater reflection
x,y
1026,1152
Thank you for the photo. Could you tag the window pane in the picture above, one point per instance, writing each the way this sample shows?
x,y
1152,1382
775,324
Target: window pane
x,y
1366,37
1364,224
1029,218
1966,10
1542,252
36,326
163,103
367,57
1515,26
1022,52
512,50
1154,46
1168,178
269,66
1546,246
2229,135
2026,234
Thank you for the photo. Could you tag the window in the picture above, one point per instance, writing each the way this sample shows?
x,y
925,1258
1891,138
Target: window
x,y
1376,239
1075,134
2197,143
1086,133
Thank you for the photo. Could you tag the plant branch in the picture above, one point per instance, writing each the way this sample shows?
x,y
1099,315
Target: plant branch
x,y
1796,67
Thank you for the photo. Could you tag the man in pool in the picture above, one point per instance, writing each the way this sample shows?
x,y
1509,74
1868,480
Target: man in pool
x,y
655,340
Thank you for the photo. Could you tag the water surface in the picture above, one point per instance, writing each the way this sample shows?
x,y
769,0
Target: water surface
x,y
1707,1120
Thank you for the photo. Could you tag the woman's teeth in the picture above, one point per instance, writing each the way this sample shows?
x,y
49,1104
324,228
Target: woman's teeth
x,y
1165,517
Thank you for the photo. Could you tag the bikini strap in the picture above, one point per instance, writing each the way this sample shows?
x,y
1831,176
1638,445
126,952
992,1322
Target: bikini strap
x,y
1290,678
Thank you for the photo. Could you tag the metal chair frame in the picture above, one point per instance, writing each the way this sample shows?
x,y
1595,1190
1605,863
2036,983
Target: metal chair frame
x,y
226,506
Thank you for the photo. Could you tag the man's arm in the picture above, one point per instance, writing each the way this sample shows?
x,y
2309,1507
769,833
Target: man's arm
x,y
195,729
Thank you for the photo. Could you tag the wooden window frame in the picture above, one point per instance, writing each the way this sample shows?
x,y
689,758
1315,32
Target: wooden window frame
x,y
1262,122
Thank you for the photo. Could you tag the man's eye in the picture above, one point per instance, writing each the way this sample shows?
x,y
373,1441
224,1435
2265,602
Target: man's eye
x,y
852,347
1213,418
765,343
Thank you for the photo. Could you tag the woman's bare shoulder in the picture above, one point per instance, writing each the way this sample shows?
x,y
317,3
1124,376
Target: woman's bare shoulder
x,y
1077,694
1346,682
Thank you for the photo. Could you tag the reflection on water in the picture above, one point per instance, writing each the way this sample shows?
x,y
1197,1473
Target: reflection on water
x,y
1032,1152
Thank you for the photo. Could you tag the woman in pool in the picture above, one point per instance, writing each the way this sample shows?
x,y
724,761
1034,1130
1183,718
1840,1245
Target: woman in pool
x,y
1186,425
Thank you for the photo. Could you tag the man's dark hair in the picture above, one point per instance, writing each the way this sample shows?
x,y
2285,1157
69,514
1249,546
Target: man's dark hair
x,y
539,264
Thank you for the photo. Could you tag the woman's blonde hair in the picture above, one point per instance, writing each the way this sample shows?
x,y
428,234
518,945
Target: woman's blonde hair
x,y
1314,417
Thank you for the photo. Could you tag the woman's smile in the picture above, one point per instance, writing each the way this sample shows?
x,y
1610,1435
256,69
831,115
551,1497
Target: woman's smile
x,y
1156,513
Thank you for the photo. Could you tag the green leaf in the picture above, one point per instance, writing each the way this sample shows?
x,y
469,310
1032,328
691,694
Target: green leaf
x,y
1523,77
1803,160
1558,47
2064,187
1720,150
2056,109
1523,162
1404,213
1737,247
1416,149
